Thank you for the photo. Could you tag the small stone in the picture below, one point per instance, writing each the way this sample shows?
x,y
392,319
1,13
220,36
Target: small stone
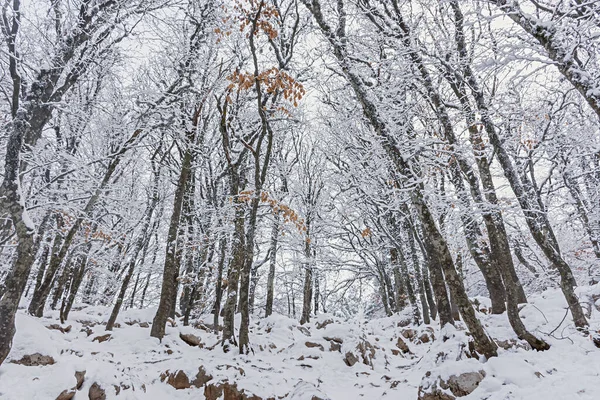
x,y
178,379
102,338
408,333
144,325
323,324
350,359
57,327
304,330
66,395
88,331
401,344
79,376
313,344
334,346
191,340
201,378
96,392
34,360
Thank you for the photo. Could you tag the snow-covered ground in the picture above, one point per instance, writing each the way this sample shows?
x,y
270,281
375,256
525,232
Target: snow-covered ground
x,y
301,362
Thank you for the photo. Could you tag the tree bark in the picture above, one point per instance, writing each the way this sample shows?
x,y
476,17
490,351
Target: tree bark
x,y
219,283
272,265
168,293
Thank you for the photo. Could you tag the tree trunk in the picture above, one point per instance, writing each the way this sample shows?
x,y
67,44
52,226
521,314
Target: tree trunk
x,y
272,265
307,291
233,274
440,260
317,292
536,218
168,293
38,300
400,292
418,273
219,283
77,278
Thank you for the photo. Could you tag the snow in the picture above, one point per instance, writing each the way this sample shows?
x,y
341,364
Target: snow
x,y
283,365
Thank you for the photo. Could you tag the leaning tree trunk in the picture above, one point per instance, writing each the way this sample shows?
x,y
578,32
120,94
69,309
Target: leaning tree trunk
x,y
140,244
38,301
440,260
558,50
536,218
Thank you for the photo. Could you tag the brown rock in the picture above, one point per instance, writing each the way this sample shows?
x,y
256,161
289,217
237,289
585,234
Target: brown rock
x,y
459,386
88,331
333,339
323,324
200,325
66,395
367,352
34,360
201,378
313,344
79,376
178,379
191,340
350,359
464,383
144,325
401,344
304,330
427,335
102,338
96,392
408,333
57,327
513,343
334,346
228,391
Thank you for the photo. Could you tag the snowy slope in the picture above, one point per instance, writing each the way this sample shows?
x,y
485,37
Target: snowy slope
x,y
301,362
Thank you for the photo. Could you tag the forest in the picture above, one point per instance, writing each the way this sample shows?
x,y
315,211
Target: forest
x,y
300,199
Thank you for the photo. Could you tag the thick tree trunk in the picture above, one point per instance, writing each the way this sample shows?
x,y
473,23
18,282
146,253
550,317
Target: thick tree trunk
x,y
12,205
